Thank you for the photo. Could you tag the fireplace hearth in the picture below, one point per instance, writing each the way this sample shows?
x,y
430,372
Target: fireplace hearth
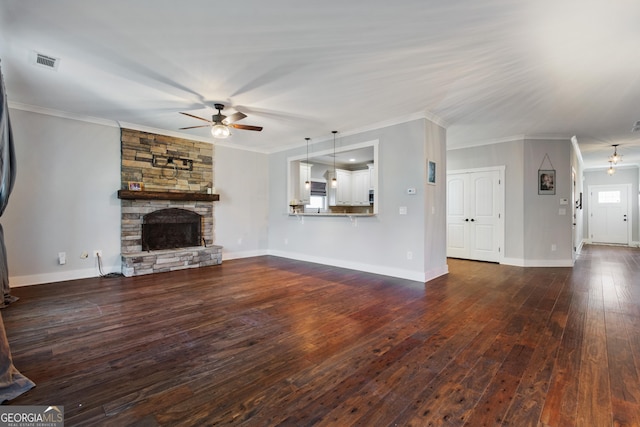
x,y
171,229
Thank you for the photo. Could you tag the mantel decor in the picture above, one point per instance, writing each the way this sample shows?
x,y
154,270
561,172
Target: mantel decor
x,y
546,178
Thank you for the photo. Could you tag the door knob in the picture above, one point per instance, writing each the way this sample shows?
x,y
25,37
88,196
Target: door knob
x,y
473,220
466,219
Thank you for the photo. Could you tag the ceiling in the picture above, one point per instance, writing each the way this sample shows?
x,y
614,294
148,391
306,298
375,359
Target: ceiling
x,y
487,71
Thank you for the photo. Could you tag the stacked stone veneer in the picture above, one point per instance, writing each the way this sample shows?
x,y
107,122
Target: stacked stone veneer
x,y
138,149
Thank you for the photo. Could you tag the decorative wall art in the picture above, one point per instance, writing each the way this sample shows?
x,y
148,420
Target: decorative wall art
x,y
546,178
431,172
546,181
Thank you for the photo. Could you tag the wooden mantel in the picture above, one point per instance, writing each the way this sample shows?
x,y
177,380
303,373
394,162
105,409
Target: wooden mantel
x,y
167,195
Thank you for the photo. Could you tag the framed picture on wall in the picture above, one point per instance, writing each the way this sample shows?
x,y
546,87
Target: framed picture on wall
x,y
431,172
546,181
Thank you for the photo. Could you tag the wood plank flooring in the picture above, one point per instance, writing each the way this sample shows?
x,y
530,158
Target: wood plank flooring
x,y
268,341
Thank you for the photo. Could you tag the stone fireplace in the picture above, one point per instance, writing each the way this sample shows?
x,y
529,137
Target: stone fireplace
x,y
167,214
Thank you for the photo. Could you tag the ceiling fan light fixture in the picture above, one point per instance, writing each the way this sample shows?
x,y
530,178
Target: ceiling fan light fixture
x,y
220,131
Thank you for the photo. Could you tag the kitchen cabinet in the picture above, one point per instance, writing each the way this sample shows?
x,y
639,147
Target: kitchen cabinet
x,y
341,195
305,175
352,190
360,188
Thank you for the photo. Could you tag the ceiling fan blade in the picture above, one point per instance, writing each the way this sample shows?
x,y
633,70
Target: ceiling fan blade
x,y
234,118
196,117
193,127
246,127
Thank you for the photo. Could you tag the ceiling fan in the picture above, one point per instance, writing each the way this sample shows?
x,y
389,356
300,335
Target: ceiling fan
x,y
220,123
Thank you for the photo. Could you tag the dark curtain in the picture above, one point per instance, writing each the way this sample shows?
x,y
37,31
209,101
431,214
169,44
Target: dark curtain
x,y
12,382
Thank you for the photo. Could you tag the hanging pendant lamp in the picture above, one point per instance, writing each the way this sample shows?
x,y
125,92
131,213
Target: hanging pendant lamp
x,y
615,158
334,180
307,183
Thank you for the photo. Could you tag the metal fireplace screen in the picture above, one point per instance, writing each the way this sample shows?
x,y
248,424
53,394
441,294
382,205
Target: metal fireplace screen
x,y
171,228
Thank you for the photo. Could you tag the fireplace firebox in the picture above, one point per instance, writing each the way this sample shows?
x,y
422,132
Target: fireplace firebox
x,y
170,229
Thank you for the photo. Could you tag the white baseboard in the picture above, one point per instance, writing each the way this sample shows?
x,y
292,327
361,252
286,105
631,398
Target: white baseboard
x,y
519,262
242,254
367,268
62,276
633,244
37,279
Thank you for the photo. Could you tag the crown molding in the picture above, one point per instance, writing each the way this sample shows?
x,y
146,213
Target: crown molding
x,y
61,114
512,138
114,123
379,125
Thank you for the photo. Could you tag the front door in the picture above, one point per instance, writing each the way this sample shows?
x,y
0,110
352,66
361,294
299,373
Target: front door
x,y
609,216
473,215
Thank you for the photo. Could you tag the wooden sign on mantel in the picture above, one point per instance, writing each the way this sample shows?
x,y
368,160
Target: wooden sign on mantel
x,y
167,195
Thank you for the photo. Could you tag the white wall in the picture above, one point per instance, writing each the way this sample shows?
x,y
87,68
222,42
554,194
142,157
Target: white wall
x,y
376,244
64,198
511,156
241,216
532,221
543,224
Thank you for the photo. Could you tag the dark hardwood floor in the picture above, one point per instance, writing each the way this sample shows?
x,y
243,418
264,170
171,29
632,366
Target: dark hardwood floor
x,y
268,341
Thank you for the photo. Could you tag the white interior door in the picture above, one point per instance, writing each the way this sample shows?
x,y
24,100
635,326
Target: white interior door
x,y
457,228
473,215
609,216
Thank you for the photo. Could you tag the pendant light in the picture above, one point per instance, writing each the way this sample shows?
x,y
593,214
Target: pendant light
x,y
334,180
307,183
615,158
611,170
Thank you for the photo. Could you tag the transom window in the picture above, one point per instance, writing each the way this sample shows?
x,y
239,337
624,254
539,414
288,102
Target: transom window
x,y
609,196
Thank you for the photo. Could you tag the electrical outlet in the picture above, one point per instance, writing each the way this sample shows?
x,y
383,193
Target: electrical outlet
x,y
62,258
84,255
409,255
97,253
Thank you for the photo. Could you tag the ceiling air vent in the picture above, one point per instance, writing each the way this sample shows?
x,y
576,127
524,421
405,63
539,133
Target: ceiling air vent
x,y
46,61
